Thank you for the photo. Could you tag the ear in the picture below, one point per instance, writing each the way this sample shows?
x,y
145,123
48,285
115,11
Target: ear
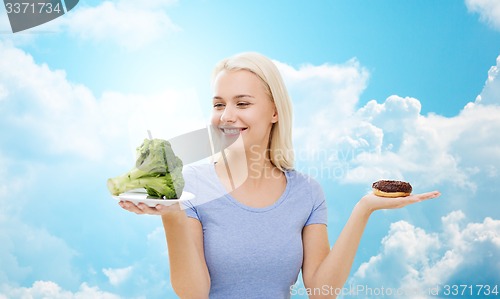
x,y
275,117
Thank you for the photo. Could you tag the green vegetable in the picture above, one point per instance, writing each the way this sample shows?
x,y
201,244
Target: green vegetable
x,y
157,169
156,156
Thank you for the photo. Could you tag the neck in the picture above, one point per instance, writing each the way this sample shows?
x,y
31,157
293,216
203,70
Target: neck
x,y
259,165
253,166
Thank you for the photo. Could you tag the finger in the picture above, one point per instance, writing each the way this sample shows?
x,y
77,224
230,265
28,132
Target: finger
x,y
420,197
399,202
427,195
131,207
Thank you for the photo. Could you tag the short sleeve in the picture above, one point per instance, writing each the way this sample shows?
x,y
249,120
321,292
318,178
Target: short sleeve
x,y
319,212
190,185
190,210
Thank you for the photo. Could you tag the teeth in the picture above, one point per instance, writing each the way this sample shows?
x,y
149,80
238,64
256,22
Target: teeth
x,y
231,131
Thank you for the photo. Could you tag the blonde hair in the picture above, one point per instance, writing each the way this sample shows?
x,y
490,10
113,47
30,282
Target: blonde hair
x,y
280,140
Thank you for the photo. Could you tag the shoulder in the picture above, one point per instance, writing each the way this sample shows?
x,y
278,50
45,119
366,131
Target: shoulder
x,y
306,186
201,180
192,174
195,170
303,180
197,167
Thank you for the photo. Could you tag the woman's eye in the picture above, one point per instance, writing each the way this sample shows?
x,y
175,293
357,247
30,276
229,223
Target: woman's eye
x,y
218,105
242,104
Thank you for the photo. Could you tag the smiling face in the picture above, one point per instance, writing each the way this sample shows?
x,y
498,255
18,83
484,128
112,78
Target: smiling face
x,y
241,105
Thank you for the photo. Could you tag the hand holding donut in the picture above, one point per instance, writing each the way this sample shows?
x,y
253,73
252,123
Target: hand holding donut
x,y
393,195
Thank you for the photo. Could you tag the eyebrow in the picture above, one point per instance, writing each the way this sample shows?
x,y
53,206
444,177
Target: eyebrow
x,y
235,97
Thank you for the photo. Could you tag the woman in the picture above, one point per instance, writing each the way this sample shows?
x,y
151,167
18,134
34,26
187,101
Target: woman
x,y
250,240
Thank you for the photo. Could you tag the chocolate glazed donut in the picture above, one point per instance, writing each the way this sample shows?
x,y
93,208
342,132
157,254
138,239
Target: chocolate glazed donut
x,y
387,188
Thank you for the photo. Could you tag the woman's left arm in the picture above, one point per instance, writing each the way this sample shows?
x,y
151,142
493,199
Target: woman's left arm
x,y
329,269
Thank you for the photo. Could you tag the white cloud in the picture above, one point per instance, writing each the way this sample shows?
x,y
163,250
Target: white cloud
x,y
49,289
391,139
42,101
452,149
49,117
324,99
156,254
419,261
491,89
148,272
27,251
30,252
341,84
131,24
3,92
118,275
42,104
334,89
488,10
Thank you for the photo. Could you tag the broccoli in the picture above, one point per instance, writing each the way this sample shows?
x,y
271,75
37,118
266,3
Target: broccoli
x,y
156,156
157,169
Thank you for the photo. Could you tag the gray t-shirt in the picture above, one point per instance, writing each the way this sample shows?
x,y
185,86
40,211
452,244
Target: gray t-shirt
x,y
253,252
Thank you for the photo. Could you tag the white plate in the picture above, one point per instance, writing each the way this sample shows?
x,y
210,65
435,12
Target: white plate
x,y
138,196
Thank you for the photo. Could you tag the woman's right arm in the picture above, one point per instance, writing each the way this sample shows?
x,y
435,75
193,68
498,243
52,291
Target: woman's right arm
x,y
188,270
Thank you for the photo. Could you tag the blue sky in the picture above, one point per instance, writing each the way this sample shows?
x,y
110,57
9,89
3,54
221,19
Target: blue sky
x,y
382,89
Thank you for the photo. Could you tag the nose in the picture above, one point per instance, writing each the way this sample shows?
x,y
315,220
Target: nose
x,y
228,115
